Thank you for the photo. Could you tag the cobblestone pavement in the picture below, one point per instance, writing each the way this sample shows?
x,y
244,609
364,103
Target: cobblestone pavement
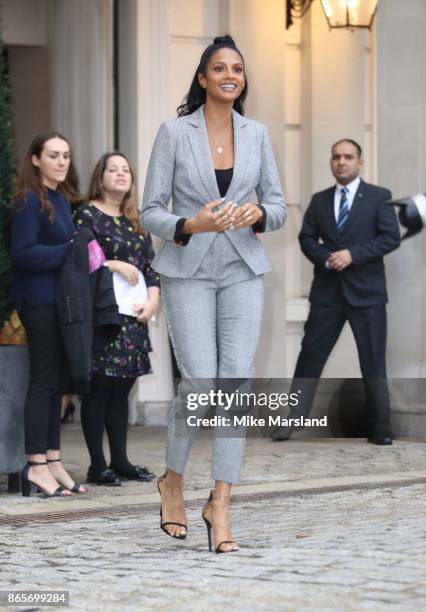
x,y
354,549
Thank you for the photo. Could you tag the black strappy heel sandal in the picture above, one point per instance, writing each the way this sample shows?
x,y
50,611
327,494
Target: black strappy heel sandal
x,y
75,488
218,548
179,536
28,485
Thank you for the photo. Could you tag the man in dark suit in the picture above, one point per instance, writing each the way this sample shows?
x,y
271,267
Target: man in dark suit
x,y
346,231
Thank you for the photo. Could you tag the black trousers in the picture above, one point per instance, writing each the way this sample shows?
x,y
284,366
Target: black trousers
x,y
322,330
107,407
48,378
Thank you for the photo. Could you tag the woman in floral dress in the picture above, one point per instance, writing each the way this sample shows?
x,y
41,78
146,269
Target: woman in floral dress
x,y
112,215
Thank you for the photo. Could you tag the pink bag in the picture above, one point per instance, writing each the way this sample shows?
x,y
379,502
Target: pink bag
x,y
96,256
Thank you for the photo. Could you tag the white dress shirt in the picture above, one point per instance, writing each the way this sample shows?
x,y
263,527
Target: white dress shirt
x,y
352,188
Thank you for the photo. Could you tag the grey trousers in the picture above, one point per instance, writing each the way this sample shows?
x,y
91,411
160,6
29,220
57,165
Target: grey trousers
x,y
214,321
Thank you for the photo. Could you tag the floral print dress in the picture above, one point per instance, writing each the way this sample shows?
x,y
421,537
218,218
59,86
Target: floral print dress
x,y
127,355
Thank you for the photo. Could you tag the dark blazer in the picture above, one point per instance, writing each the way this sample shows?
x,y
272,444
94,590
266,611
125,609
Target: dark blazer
x,y
86,303
371,231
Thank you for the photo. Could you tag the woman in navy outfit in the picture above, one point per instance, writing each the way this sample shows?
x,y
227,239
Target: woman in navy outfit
x,y
42,228
112,215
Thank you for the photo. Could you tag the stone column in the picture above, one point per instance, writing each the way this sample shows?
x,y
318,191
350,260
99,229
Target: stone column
x,y
81,78
259,31
335,103
143,99
401,154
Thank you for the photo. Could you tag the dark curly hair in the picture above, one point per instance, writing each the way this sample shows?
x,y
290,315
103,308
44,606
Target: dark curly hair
x,y
196,95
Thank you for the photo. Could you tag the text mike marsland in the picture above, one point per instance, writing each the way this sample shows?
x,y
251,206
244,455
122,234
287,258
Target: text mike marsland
x,y
248,420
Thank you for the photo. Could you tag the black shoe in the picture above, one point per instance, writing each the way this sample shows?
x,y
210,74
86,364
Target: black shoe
x,y
107,478
218,549
281,434
380,440
136,472
28,485
163,526
76,487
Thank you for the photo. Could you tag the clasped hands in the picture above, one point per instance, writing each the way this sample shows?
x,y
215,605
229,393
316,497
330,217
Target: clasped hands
x,y
339,260
229,217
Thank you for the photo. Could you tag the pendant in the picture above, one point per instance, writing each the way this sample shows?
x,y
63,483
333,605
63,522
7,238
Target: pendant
x,y
219,150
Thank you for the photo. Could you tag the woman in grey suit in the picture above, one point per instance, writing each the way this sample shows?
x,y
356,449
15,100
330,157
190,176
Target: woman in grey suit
x,y
209,161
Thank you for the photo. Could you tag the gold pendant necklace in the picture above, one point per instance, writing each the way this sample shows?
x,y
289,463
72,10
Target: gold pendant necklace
x,y
219,147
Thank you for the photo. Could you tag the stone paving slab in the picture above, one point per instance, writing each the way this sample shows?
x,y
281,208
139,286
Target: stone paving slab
x,y
242,492
268,466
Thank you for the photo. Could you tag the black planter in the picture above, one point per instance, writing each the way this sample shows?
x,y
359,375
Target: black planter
x,y
14,372
348,413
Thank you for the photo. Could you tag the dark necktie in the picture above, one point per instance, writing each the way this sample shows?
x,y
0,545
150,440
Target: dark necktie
x,y
343,210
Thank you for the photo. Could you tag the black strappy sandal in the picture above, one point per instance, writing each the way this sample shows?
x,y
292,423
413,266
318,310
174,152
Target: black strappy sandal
x,y
28,485
218,548
179,536
75,488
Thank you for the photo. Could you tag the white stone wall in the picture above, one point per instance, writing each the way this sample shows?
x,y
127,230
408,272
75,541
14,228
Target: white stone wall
x,y
310,85
80,42
401,119
24,22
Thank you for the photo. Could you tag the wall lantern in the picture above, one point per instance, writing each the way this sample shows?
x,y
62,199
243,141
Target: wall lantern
x,y
349,14
296,9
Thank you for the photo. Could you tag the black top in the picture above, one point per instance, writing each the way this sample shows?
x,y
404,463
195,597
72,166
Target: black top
x,y
119,240
223,179
39,247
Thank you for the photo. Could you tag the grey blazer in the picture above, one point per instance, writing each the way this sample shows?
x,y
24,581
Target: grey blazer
x,y
181,168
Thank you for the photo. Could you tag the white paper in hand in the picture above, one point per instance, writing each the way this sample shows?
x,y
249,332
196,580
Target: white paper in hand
x,y
128,295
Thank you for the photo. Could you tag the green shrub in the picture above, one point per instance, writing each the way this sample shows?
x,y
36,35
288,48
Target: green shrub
x,y
7,172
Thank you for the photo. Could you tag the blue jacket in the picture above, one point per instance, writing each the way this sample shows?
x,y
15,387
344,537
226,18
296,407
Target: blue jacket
x,y
39,247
